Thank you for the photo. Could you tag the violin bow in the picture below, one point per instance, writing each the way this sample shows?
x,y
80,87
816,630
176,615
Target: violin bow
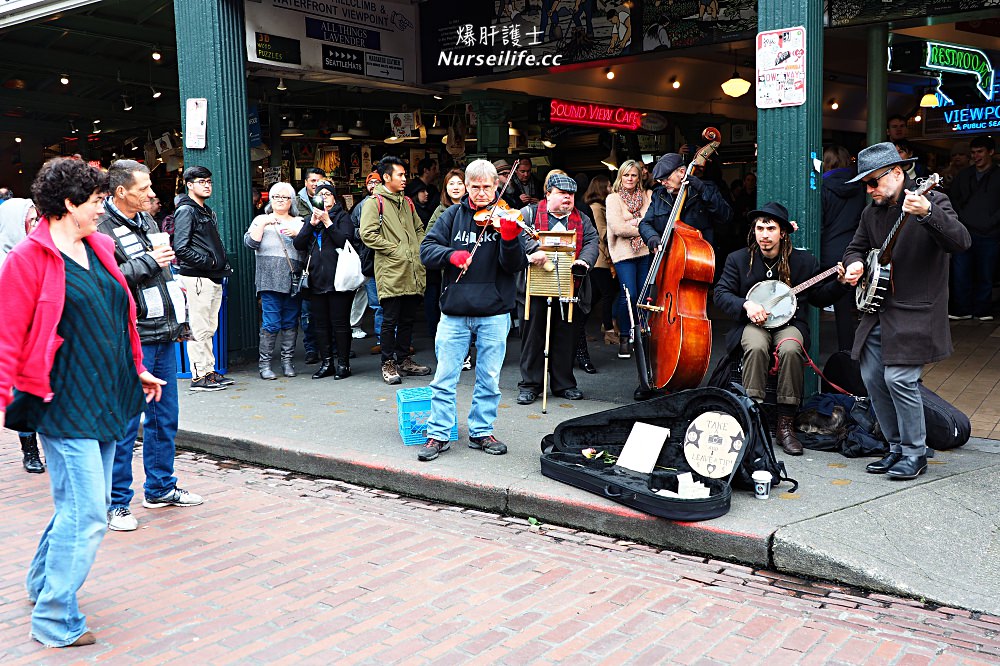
x,y
482,233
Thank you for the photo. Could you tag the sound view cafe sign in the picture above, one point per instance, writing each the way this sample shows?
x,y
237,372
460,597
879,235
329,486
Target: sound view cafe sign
x,y
594,115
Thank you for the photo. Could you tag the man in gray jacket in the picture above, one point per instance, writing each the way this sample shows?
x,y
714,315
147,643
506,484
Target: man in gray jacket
x,y
162,321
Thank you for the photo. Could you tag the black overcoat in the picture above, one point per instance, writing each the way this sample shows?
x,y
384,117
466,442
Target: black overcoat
x,y
914,316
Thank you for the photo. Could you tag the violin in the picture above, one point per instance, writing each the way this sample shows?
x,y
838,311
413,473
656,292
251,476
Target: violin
x,y
501,210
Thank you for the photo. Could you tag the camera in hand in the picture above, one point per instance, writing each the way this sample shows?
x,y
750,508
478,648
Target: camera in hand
x,y
317,201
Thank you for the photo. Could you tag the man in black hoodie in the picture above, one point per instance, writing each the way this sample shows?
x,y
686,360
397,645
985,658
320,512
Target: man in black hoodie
x,y
203,265
477,297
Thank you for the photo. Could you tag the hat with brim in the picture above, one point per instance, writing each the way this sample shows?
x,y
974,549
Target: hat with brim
x,y
879,156
666,165
502,166
561,182
774,211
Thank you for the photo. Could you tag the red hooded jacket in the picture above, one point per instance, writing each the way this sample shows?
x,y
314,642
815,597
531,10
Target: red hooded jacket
x,y
33,285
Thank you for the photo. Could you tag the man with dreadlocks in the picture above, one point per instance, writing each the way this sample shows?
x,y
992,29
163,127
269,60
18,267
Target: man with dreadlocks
x,y
770,256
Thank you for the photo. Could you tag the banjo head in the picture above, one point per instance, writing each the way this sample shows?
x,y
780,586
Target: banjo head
x,y
777,298
867,297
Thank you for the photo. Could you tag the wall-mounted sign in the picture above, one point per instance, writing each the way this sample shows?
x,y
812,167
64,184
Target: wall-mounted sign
x,y
781,67
278,49
196,123
962,60
594,115
349,61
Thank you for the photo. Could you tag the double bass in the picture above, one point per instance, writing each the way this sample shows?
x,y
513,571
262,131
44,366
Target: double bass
x,y
672,335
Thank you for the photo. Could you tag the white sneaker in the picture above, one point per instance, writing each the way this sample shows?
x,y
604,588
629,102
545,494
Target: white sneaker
x,y
120,519
358,333
176,497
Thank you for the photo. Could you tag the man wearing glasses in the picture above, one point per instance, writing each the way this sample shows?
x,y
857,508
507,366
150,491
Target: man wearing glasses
x,y
911,328
203,265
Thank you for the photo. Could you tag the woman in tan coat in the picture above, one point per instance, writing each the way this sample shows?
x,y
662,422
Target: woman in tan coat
x,y
626,206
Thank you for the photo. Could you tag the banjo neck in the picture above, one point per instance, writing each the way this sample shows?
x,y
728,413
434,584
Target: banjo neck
x,y
813,280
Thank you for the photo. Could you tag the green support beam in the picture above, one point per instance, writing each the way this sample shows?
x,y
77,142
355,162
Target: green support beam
x,y
878,81
211,64
790,138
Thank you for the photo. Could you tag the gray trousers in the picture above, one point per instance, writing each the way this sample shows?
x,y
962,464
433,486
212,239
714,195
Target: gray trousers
x,y
895,397
757,344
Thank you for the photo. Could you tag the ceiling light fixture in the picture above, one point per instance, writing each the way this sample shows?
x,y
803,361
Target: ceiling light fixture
x,y
548,144
17,139
511,130
156,54
64,79
438,97
281,84
736,86
291,130
97,128
359,129
674,83
610,73
126,105
392,138
340,134
917,118
929,100
72,128
156,93
834,104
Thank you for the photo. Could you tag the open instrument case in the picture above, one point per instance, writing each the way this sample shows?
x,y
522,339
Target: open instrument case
x,y
710,431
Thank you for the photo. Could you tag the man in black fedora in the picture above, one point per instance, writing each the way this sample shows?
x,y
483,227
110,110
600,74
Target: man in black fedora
x,y
911,328
770,256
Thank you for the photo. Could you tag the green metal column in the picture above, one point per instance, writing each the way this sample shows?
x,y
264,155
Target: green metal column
x,y
790,138
878,81
211,56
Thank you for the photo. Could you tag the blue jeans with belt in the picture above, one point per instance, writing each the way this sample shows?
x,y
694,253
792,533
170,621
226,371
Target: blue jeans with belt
x,y
80,477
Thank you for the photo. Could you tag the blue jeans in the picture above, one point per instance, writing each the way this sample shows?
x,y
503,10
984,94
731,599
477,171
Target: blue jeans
x,y
308,332
374,305
158,433
972,272
279,312
631,274
451,347
80,477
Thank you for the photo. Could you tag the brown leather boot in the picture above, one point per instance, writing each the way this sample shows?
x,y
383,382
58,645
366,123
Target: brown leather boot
x,y
787,440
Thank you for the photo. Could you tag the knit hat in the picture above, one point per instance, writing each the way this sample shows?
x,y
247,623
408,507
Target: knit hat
x,y
667,165
559,181
326,186
373,176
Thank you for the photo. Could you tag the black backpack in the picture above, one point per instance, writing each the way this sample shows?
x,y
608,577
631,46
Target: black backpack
x,y
760,452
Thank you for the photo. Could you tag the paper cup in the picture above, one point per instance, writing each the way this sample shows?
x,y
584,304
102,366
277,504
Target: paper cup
x,y
762,484
160,239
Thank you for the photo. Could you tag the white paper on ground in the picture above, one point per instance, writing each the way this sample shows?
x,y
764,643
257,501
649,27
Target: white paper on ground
x,y
643,447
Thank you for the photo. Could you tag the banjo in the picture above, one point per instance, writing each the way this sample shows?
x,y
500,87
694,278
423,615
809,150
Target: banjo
x,y
874,283
778,299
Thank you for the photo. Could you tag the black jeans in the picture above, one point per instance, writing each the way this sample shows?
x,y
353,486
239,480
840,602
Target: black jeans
x,y
398,314
331,316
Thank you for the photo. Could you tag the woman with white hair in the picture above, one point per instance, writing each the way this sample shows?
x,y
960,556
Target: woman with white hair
x,y
271,237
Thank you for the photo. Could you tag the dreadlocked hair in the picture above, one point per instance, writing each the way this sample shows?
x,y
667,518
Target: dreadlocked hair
x,y
784,251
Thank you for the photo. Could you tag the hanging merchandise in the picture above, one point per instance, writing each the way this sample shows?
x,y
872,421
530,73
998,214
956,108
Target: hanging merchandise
x,y
328,159
455,145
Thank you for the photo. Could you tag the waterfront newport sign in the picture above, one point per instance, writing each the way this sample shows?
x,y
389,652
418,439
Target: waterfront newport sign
x,y
594,115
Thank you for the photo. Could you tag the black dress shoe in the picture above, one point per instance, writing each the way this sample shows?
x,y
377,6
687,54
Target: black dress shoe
x,y
885,464
32,460
526,397
326,369
570,394
908,467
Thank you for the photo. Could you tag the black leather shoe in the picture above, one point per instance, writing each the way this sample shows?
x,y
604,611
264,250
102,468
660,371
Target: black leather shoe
x,y
32,460
570,394
312,358
526,397
326,369
884,465
343,371
586,365
643,394
908,467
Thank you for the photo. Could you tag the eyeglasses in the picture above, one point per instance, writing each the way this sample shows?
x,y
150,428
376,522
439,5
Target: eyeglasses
x,y
277,197
202,181
873,182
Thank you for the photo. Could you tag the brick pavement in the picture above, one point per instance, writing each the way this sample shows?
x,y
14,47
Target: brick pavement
x,y
276,567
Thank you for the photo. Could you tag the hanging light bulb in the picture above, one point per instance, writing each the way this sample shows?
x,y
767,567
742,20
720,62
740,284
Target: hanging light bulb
x,y
64,79
126,105
610,73
281,84
929,100
674,83
917,118
156,93
97,127
736,86
17,139
156,54
834,104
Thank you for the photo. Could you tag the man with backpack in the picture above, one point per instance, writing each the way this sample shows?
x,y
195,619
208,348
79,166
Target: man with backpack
x,y
391,227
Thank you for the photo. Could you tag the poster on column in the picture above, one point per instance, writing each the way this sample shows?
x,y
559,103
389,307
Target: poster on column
x,y
346,38
781,68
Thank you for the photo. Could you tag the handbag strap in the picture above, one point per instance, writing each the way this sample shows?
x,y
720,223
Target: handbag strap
x,y
281,241
812,364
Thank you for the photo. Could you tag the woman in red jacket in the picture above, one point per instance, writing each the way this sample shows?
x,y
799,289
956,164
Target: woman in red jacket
x,y
70,370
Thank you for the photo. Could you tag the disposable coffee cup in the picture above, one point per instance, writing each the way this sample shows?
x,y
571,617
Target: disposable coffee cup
x,y
159,239
762,484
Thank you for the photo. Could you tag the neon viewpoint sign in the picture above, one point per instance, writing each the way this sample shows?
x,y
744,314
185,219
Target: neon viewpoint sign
x,y
594,115
962,60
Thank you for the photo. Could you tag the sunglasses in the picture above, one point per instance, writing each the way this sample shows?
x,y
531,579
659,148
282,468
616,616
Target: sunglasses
x,y
873,182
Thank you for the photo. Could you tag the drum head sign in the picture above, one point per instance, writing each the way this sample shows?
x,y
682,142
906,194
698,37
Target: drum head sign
x,y
712,444
781,68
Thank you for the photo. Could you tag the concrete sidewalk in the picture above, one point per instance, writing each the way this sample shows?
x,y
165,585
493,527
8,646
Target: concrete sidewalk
x,y
935,538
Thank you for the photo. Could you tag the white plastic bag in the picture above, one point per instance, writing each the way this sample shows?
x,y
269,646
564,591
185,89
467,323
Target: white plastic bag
x,y
348,276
